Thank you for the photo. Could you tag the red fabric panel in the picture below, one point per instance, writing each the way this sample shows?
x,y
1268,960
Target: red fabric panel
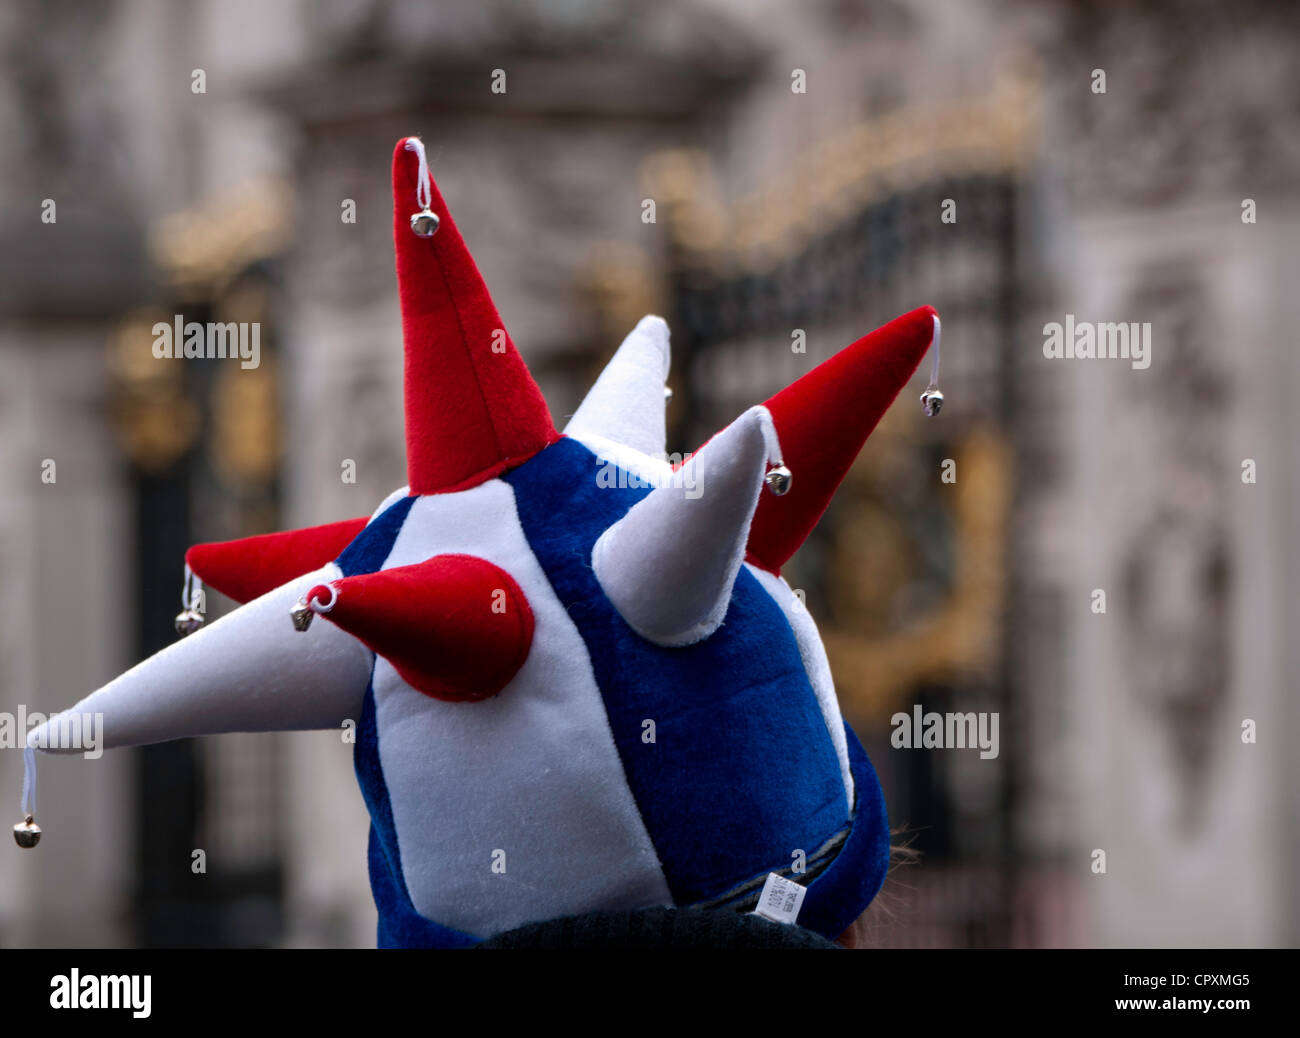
x,y
456,627
248,568
470,412
823,419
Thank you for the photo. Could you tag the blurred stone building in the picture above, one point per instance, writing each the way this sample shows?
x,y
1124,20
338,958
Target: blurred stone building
x,y
798,160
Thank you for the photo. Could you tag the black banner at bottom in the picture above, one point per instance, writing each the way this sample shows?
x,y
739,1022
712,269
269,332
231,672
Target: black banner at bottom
x,y
333,988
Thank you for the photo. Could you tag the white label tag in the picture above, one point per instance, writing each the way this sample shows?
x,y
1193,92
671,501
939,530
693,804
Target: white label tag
x,y
781,899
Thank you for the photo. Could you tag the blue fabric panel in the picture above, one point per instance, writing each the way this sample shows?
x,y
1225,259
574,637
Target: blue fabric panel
x,y
742,772
371,546
841,893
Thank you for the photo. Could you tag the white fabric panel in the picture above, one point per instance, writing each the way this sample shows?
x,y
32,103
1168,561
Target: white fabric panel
x,y
532,772
250,671
813,653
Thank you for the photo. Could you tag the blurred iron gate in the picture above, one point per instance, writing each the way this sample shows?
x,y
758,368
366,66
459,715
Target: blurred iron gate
x,y
946,568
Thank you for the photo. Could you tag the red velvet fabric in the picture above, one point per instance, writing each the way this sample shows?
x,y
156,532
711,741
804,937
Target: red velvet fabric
x,y
456,627
823,419
471,412
250,567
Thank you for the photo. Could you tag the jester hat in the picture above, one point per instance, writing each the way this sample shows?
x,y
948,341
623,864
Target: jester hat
x,y
578,679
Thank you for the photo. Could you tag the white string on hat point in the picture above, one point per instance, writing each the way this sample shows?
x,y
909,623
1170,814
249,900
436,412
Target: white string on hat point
x,y
932,398
423,192
317,606
192,591
29,782
934,363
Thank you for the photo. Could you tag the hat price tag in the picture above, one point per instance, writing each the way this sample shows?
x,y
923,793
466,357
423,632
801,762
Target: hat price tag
x,y
781,899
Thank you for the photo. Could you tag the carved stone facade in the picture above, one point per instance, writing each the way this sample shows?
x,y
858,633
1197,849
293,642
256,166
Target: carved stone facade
x,y
1199,115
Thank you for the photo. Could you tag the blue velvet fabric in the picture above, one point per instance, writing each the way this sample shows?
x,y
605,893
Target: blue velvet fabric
x,y
839,895
369,549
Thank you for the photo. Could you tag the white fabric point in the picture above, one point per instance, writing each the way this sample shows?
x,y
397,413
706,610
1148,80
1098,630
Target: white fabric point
x,y
669,565
626,405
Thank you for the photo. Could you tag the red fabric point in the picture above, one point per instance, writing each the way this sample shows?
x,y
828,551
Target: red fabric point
x,y
456,627
822,421
472,408
250,567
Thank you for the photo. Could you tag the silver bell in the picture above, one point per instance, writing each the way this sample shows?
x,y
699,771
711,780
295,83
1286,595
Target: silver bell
x,y
302,615
188,621
778,479
27,834
424,223
932,400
